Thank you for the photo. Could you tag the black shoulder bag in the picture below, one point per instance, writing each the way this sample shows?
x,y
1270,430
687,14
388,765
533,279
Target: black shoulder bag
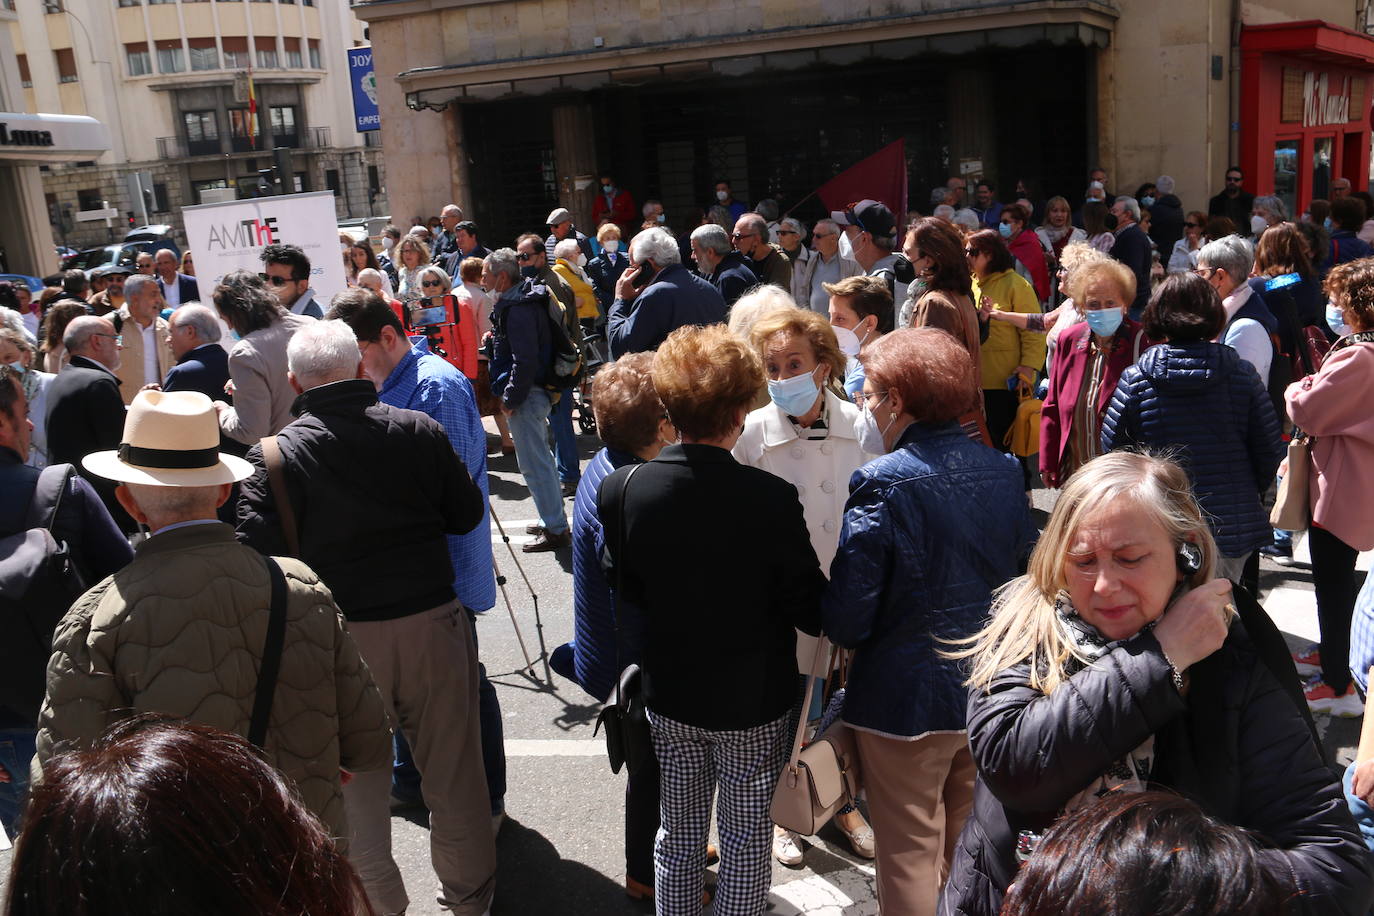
x,y
628,743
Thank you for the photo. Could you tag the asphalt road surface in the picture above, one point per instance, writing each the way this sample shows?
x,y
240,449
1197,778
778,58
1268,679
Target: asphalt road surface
x,y
561,848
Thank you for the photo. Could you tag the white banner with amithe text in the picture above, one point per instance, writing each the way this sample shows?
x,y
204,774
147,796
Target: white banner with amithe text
x,y
231,236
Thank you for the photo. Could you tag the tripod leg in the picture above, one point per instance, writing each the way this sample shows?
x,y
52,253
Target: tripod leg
x,y
519,637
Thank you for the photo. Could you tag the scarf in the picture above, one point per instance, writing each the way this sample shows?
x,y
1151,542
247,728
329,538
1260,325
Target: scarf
x,y
1132,772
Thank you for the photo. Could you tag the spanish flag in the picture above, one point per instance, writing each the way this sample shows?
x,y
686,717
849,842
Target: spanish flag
x,y
252,111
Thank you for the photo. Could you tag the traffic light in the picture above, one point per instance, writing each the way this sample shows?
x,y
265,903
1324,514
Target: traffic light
x,y
281,164
131,220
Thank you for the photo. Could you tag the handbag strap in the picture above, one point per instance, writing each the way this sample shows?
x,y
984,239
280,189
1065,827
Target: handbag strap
x,y
813,675
276,477
620,579
271,656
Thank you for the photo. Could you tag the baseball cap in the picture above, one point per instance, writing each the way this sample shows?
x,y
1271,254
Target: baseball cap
x,y
869,215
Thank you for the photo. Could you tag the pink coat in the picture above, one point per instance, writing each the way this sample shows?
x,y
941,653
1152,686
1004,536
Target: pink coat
x,y
1333,407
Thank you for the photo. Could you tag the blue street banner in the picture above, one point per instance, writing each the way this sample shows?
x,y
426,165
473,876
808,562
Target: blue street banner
x,y
364,81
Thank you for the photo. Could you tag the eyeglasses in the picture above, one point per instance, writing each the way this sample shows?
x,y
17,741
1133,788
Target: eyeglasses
x,y
525,256
1204,272
872,394
742,235
274,281
117,338
428,283
786,232
1190,226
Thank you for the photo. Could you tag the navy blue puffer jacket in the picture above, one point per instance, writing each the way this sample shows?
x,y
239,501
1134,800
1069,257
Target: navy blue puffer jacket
x,y
930,529
1206,405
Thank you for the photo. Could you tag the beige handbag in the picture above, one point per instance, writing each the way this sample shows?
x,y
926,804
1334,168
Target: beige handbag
x,y
1292,511
818,781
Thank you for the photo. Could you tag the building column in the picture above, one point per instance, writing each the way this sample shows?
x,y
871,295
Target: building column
x,y
25,234
574,153
972,138
459,175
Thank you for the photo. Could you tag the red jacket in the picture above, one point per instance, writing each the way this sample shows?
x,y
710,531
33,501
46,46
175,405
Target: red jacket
x,y
1027,249
622,211
1067,377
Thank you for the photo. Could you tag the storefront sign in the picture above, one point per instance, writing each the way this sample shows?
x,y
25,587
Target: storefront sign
x,y
1325,100
44,138
230,236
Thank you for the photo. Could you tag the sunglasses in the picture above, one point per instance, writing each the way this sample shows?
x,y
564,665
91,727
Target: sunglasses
x,y
786,232
275,281
525,257
429,283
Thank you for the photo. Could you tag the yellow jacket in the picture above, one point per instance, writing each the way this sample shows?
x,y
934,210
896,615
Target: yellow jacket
x,y
581,287
1008,346
130,369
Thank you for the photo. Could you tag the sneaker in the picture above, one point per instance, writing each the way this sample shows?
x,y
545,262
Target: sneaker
x,y
787,847
857,831
1308,661
1321,698
1281,554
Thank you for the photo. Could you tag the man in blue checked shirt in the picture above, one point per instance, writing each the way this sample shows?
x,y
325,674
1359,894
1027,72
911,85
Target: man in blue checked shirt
x,y
409,376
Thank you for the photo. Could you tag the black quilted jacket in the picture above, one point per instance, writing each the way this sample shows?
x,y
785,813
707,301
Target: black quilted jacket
x,y
1204,405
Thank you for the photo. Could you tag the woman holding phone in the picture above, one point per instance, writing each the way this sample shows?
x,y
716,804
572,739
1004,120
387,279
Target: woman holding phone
x,y
1116,664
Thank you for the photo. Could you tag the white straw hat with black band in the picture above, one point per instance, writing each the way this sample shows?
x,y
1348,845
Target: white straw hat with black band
x,y
171,439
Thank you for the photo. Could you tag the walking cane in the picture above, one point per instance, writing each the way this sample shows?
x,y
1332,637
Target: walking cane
x,y
538,622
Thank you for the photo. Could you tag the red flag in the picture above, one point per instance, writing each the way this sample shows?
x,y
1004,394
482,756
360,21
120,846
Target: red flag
x,y
252,111
880,177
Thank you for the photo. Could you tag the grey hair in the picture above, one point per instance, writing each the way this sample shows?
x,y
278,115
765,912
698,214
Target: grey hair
x,y
657,245
1130,205
502,261
796,225
719,215
568,249
1273,205
452,210
768,209
133,287
944,212
369,273
169,503
938,195
200,318
712,238
1164,184
11,319
647,210
81,330
430,271
323,352
828,223
967,219
753,305
1231,253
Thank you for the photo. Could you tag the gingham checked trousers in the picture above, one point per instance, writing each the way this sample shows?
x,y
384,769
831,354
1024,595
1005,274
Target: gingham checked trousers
x,y
693,763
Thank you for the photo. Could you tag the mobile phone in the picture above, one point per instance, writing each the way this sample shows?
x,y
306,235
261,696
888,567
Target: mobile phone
x,y
642,276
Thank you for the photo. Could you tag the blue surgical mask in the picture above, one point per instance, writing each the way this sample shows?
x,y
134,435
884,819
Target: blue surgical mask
x,y
608,190
1326,224
1104,322
796,395
235,334
18,369
662,217
1147,201
1005,229
1335,320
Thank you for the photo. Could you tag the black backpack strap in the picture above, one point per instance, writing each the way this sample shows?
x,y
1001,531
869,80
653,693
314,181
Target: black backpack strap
x,y
47,496
271,656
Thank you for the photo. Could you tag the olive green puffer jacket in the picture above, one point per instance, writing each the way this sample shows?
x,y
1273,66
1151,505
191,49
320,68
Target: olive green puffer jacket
x,y
180,631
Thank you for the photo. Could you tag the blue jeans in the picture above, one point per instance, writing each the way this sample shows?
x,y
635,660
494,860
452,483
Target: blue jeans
x,y
564,439
529,427
1363,814
16,752
405,776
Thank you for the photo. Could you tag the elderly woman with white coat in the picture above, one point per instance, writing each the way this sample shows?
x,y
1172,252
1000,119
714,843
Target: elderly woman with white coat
x,y
805,435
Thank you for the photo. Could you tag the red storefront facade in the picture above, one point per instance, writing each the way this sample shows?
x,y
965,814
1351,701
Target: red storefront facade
x,y
1306,91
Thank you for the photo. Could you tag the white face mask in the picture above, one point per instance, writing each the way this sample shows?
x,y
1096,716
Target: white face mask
x,y
867,432
612,245
581,260
848,340
722,196
387,243
1258,224
846,246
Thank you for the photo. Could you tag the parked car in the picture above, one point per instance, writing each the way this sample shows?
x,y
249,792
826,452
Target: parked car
x,y
123,253
34,284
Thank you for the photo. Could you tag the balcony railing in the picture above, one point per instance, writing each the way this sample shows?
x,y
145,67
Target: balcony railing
x,y
170,148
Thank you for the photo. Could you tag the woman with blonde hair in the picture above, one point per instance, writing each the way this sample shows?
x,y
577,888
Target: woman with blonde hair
x,y
412,254
1084,376
1053,322
1117,663
749,308
805,435
719,663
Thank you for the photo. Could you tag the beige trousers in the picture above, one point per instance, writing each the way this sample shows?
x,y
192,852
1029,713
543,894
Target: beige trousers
x,y
426,667
919,794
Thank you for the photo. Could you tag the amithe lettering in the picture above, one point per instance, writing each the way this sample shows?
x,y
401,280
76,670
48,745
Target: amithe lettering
x,y
24,137
247,233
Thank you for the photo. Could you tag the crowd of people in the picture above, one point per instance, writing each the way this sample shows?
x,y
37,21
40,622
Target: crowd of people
x,y
819,447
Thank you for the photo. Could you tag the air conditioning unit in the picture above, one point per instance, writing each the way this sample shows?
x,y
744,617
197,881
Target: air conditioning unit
x,y
52,6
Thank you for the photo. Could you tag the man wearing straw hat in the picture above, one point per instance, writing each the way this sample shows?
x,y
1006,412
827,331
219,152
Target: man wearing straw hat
x,y
182,629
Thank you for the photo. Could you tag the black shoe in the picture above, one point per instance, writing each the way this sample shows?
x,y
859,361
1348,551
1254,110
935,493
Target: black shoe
x,y
547,541
1281,554
570,487
534,529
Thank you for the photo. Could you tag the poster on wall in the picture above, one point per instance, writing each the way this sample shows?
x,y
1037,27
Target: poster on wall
x,y
231,235
363,78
